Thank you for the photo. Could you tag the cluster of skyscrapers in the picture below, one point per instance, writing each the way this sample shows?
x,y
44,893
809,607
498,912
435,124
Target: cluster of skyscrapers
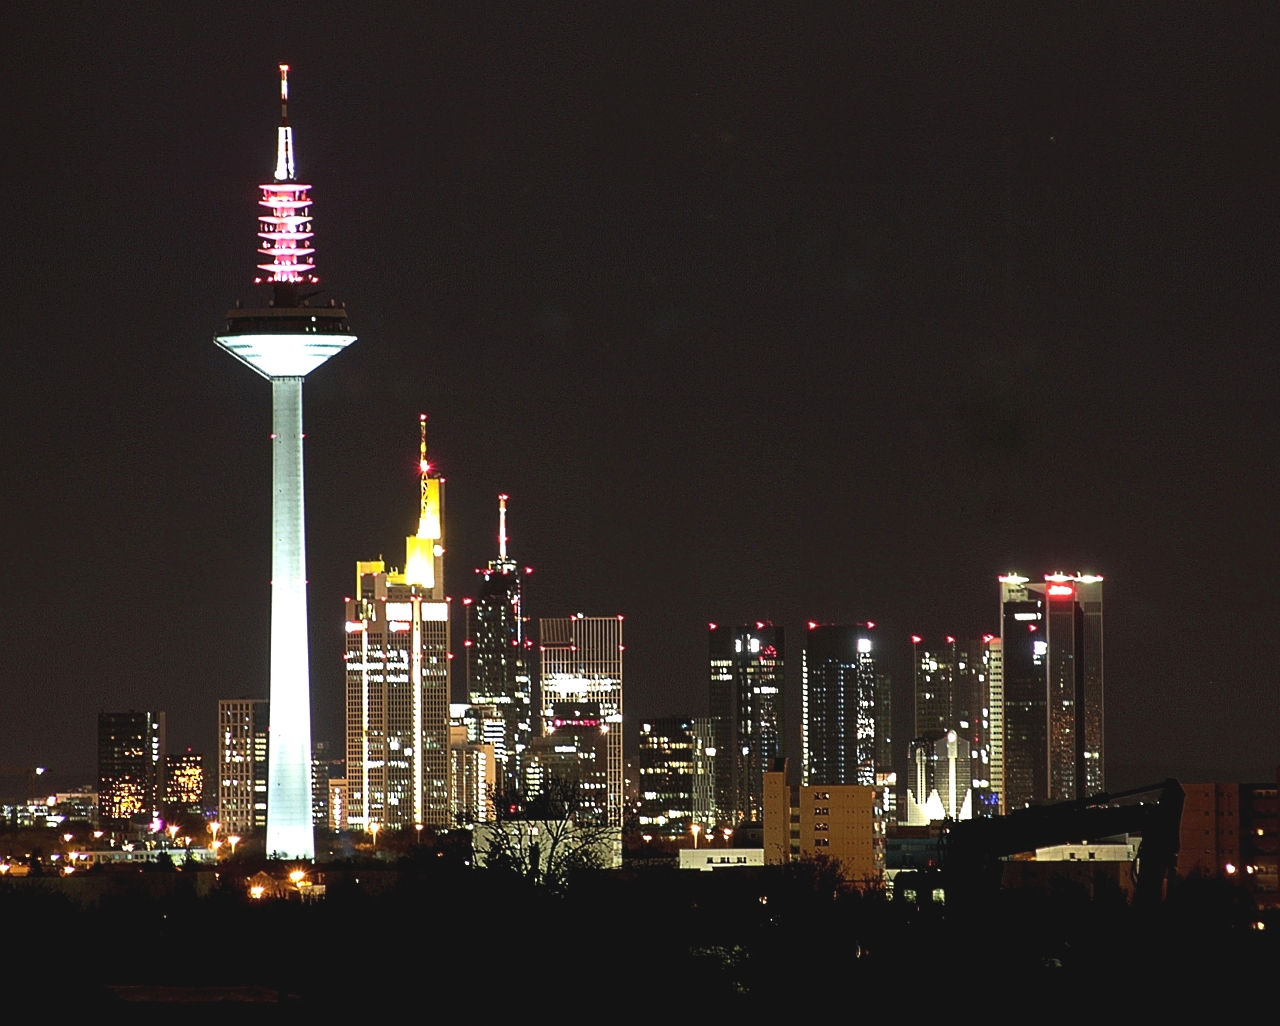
x,y
1004,720
999,721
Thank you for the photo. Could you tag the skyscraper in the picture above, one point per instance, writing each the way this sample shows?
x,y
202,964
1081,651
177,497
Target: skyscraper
x,y
244,744
1053,687
839,725
398,651
582,665
285,341
667,747
498,654
130,766
183,783
954,681
747,709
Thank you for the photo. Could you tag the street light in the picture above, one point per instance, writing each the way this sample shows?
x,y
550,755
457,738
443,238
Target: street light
x,y
695,827
214,827
418,828
373,829
233,840
173,832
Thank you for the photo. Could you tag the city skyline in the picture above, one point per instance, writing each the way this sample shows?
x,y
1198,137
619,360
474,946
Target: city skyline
x,y
732,322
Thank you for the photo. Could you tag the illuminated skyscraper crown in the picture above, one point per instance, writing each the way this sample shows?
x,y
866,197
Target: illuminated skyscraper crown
x,y
285,226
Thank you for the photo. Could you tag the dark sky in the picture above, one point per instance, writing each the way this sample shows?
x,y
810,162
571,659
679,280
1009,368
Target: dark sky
x,y
754,314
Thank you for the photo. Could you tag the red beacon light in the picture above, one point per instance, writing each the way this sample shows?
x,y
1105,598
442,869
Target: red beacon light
x,y
1061,590
916,639
950,640
871,625
812,625
988,638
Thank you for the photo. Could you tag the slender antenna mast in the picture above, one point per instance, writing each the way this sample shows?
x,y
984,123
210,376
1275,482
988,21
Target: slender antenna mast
x,y
502,527
424,470
284,134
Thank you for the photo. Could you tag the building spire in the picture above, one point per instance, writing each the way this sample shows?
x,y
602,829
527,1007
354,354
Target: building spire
x,y
285,224
284,134
424,471
502,527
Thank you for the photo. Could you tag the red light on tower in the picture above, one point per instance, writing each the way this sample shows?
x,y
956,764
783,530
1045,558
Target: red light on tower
x,y
988,638
916,639
1061,590
812,625
871,625
712,626
950,640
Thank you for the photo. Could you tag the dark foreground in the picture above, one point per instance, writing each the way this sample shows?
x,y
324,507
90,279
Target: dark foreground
x,y
648,942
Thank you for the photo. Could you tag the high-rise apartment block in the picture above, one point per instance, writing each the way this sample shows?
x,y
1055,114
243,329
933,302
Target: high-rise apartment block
x,y
840,727
499,655
398,651
130,765
667,773
582,668
244,743
1053,687
747,666
184,783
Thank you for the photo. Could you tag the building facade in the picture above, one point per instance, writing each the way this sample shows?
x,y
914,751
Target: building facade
x,y
499,655
398,679
1053,687
667,770
130,765
474,777
582,665
243,760
747,665
840,707
954,681
184,783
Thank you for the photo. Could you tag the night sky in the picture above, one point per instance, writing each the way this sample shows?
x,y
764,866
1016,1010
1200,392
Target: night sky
x,y
756,315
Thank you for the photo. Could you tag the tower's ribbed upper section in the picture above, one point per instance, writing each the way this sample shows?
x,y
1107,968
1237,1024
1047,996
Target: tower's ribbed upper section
x,y
285,223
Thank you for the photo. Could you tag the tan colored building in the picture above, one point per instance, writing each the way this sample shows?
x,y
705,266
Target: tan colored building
x,y
1232,832
839,821
778,815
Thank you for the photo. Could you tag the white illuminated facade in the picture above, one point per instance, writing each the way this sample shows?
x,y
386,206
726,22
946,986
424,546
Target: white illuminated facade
x,y
284,342
582,663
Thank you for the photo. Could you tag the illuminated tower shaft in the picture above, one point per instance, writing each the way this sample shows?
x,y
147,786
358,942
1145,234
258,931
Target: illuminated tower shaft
x,y
289,753
284,342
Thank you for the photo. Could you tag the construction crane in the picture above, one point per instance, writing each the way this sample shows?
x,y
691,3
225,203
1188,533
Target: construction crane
x,y
32,773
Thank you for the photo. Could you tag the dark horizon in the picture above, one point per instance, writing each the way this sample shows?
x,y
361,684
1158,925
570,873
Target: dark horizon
x,y
786,317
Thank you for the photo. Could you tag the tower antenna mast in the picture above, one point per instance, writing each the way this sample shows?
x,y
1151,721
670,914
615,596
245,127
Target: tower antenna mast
x,y
502,527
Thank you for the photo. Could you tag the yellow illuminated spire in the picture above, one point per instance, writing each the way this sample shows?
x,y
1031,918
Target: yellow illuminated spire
x,y
423,549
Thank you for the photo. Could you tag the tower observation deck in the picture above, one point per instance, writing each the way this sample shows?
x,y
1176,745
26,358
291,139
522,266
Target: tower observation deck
x,y
284,341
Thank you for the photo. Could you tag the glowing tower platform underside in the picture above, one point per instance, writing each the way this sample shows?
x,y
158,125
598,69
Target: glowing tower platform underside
x,y
284,344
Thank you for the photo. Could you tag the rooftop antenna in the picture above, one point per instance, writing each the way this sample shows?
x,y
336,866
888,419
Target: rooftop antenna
x,y
284,134
502,526
424,471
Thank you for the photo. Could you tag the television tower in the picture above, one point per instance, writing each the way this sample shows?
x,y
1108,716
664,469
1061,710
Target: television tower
x,y
285,341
